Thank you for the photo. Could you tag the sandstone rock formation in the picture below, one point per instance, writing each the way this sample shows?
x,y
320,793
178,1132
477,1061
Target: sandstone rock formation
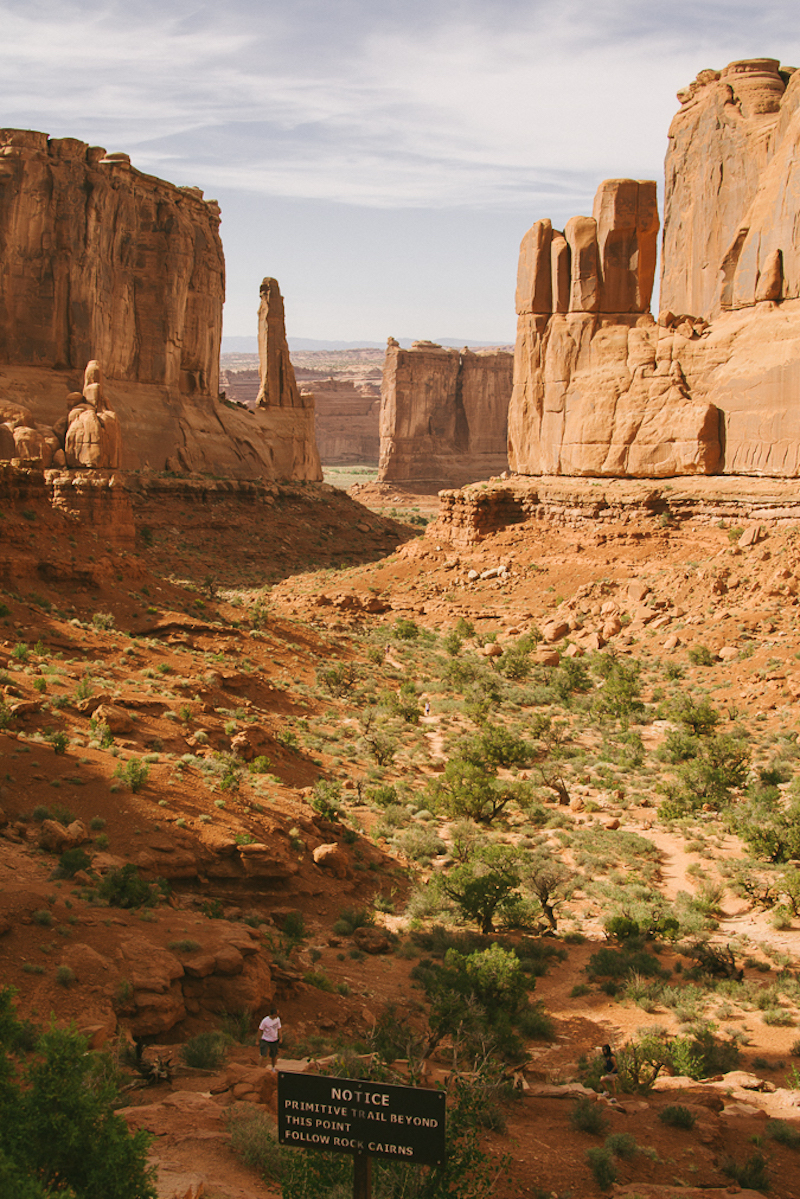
x,y
600,387
99,261
730,185
443,415
591,385
93,437
291,416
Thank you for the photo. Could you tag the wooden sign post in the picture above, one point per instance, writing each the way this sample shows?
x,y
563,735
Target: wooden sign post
x,y
366,1119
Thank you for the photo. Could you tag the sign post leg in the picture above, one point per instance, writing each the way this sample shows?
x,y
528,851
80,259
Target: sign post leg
x,y
362,1176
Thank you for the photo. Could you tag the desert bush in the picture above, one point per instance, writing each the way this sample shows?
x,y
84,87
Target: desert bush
x,y
751,1175
326,798
254,1141
133,773
71,861
677,1116
486,885
587,1116
124,888
622,1144
420,843
601,1163
64,976
700,655
205,1051
782,1133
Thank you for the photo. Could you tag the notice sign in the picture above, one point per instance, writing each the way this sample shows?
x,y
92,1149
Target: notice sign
x,y
348,1115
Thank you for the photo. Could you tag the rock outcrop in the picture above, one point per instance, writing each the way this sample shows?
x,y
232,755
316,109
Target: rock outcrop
x,y
443,415
731,190
600,387
290,415
99,261
595,393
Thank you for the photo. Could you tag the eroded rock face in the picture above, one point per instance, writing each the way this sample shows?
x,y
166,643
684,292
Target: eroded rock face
x,y
278,390
731,189
99,261
443,415
595,391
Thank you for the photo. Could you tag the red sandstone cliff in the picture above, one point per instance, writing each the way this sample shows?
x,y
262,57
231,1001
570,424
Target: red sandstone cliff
x,y
101,262
600,388
443,415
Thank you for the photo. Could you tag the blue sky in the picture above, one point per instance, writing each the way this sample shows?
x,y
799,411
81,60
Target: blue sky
x,y
381,160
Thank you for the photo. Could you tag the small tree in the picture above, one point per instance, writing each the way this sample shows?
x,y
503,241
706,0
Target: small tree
x,y
486,885
58,1132
467,789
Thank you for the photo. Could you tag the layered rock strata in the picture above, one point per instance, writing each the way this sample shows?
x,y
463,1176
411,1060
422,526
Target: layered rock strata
x,y
443,418
100,261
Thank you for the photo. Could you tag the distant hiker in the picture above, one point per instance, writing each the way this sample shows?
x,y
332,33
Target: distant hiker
x,y
427,707
269,1036
611,1075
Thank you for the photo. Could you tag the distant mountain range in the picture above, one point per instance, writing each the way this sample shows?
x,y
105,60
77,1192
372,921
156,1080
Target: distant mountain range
x,y
249,345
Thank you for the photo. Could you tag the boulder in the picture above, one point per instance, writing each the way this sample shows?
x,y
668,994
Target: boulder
x,y
372,940
331,857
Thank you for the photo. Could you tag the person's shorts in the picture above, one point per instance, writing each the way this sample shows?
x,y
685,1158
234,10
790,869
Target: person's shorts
x,y
268,1048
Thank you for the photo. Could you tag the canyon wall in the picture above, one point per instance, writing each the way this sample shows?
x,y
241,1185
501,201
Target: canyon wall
x,y
600,387
99,261
443,419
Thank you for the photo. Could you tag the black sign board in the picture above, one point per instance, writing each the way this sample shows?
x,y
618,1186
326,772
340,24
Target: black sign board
x,y
349,1115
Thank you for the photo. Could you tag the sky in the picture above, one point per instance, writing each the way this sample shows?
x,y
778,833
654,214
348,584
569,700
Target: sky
x,y
382,161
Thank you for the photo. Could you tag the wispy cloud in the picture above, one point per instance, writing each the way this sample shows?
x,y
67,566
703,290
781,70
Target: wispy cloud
x,y
423,104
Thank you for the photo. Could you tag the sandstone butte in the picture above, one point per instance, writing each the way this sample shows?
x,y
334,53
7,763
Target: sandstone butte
x,y
100,262
603,388
443,415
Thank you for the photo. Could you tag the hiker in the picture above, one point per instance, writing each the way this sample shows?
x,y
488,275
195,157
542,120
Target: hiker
x,y
269,1036
611,1075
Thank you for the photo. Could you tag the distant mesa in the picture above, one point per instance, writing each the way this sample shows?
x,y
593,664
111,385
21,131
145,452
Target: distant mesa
x,y
443,420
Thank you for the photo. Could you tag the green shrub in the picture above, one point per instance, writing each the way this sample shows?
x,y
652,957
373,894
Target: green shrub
x,y
315,978
206,1051
622,1144
42,917
700,655
326,799
59,742
124,888
64,976
134,773
677,1116
783,1133
587,1116
601,1163
751,1175
352,918
73,860
254,1141
184,946
58,1131
405,629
